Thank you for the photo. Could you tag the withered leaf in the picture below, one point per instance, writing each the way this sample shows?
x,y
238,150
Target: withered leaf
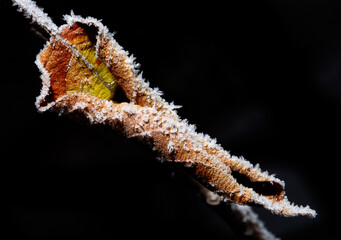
x,y
81,67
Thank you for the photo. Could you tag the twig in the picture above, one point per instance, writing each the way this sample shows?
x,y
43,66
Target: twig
x,y
242,219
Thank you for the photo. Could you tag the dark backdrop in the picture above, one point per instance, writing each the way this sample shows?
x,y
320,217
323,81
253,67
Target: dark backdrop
x,y
263,77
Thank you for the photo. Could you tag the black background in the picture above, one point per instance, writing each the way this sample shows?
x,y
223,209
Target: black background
x,y
263,77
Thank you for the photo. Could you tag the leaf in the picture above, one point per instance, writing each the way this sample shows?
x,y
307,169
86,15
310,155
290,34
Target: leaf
x,y
81,67
73,65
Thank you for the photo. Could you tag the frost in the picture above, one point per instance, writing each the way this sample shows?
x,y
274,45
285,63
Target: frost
x,y
128,109
171,148
31,10
79,106
173,106
145,118
285,207
253,225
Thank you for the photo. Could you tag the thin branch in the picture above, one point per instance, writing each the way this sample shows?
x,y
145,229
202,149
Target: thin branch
x,y
242,219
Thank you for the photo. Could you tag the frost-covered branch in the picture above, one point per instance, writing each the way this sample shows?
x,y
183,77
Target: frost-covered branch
x,y
243,220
